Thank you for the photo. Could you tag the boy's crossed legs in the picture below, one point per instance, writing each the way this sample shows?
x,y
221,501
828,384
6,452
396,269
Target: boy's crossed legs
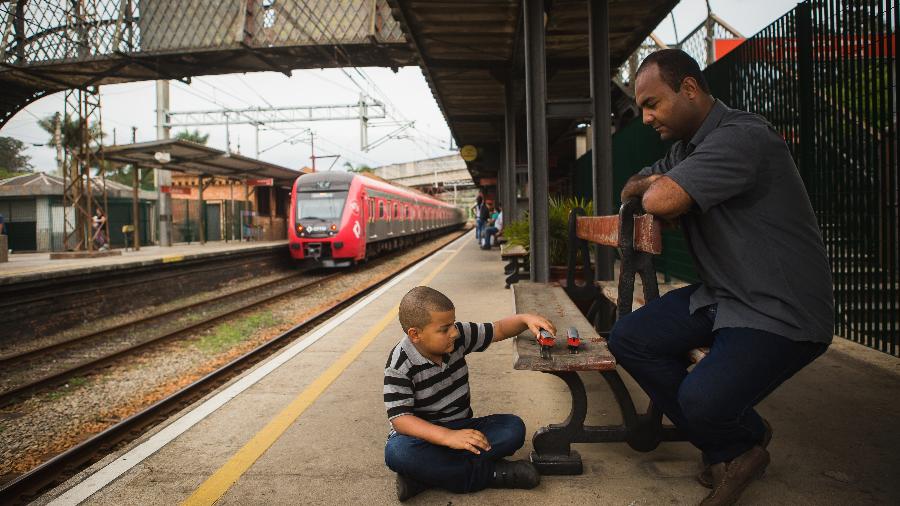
x,y
458,471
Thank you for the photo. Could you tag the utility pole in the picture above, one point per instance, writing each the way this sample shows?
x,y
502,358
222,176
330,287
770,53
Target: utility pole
x,y
57,141
312,149
163,177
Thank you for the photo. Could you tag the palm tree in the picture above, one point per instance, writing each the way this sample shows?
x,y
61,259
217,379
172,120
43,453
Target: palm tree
x,y
192,136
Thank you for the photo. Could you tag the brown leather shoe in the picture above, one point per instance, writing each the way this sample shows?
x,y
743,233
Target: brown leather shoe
x,y
733,477
705,477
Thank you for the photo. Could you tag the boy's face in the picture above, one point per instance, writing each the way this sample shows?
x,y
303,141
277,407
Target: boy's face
x,y
436,338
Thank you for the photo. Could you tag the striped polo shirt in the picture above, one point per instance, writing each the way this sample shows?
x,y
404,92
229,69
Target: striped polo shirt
x,y
436,393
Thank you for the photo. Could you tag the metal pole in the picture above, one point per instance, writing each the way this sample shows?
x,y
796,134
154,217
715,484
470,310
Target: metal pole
x,y
536,93
257,140
509,205
135,213
163,177
601,131
202,219
312,149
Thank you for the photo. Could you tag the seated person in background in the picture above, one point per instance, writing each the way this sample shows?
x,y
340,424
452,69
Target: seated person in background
x,y
494,229
435,440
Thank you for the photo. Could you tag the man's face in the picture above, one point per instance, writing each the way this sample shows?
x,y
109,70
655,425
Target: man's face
x,y
437,338
666,110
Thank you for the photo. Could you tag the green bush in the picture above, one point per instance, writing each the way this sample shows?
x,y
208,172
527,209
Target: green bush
x,y
517,232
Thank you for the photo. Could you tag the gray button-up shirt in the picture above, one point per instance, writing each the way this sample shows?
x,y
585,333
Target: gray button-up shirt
x,y
752,232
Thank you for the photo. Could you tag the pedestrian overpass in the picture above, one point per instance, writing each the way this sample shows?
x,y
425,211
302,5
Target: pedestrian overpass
x,y
53,45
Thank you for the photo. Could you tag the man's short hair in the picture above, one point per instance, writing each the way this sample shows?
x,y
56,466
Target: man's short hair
x,y
674,65
416,305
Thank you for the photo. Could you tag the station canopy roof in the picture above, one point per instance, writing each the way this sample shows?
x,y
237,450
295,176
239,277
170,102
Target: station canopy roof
x,y
468,50
199,160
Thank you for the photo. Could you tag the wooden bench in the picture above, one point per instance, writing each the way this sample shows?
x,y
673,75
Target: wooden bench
x,y
638,238
517,262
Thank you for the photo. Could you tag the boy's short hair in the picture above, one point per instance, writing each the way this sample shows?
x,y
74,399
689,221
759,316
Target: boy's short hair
x,y
416,305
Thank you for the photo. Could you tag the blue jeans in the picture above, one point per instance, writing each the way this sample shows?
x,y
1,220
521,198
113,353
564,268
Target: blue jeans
x,y
713,404
479,228
458,471
489,233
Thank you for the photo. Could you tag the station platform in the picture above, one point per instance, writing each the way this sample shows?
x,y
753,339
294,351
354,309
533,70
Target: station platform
x,y
308,425
29,266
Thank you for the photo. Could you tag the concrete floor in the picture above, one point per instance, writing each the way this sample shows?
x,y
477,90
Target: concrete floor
x,y
834,442
22,265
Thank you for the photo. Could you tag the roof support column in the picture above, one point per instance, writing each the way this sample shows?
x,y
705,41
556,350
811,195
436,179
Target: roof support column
x,y
163,177
509,168
536,108
202,219
601,131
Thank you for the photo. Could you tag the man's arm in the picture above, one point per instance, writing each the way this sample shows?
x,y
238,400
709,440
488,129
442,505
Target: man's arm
x,y
516,324
666,199
637,185
463,439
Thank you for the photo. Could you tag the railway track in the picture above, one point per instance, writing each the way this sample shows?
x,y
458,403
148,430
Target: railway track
x,y
59,468
33,370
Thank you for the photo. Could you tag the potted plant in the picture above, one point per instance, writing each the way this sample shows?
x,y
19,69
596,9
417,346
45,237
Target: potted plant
x,y
518,231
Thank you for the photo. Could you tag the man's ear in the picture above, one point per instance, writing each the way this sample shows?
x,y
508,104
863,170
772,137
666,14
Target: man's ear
x,y
689,86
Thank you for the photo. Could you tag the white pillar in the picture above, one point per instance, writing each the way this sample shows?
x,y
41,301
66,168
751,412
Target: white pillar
x,y
163,177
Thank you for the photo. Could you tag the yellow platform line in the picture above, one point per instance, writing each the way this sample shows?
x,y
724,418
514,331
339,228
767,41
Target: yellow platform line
x,y
218,484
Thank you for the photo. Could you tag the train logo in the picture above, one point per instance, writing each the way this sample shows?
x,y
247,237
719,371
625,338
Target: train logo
x,y
356,229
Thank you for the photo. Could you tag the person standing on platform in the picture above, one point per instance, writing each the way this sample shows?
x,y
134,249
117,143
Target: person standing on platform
x,y
481,216
764,304
99,224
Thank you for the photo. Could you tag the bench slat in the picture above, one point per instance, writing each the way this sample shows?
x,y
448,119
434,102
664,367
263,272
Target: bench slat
x,y
551,302
514,250
605,230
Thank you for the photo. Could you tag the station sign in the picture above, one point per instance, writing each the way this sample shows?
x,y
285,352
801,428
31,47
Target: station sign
x,y
261,182
468,152
175,190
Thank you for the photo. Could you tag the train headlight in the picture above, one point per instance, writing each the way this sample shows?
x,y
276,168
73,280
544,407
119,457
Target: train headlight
x,y
333,226
299,229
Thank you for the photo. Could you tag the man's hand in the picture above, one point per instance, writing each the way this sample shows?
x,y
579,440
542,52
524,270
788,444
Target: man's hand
x,y
467,439
637,185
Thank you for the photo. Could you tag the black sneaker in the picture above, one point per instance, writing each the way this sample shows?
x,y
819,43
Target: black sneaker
x,y
408,487
515,474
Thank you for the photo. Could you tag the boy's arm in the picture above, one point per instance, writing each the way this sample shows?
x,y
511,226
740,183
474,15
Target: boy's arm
x,y
463,439
516,324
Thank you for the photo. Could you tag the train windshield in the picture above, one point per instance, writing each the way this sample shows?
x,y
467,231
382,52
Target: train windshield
x,y
320,205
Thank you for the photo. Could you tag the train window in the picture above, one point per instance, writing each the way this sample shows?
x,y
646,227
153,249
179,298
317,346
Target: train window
x,y
380,209
320,205
396,214
406,212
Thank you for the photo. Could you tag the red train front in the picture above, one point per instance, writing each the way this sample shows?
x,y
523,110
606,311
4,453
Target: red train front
x,y
339,218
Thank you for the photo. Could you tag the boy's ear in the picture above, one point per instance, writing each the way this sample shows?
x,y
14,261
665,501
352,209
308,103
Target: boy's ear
x,y
413,334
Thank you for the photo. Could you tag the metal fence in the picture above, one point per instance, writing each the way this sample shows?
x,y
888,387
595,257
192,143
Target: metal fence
x,y
825,76
44,31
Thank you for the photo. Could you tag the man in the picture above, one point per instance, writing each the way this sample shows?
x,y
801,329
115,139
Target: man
x,y
764,304
481,216
494,229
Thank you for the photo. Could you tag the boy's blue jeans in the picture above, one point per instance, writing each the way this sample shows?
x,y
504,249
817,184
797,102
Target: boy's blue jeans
x,y
459,471
713,404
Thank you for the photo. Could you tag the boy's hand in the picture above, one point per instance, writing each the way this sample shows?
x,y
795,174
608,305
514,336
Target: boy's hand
x,y
535,323
468,439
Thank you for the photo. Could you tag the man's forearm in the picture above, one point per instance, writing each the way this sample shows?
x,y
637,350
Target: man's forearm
x,y
412,425
637,185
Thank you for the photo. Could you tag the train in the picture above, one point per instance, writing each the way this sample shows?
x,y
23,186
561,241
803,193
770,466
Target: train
x,y
340,218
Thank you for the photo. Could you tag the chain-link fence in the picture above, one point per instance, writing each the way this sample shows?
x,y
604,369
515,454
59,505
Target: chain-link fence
x,y
44,31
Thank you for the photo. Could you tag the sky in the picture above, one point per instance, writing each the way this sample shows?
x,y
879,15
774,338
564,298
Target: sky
x,y
406,93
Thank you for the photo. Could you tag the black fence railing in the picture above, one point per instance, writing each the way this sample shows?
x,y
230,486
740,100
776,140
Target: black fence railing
x,y
825,76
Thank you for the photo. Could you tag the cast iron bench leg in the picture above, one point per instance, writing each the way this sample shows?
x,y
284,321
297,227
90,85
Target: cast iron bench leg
x,y
552,444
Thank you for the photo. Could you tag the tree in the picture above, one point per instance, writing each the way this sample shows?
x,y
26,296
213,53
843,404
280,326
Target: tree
x,y
70,128
125,175
192,136
12,161
359,169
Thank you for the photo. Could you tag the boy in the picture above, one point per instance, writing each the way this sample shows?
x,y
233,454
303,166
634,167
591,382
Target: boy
x,y
436,441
